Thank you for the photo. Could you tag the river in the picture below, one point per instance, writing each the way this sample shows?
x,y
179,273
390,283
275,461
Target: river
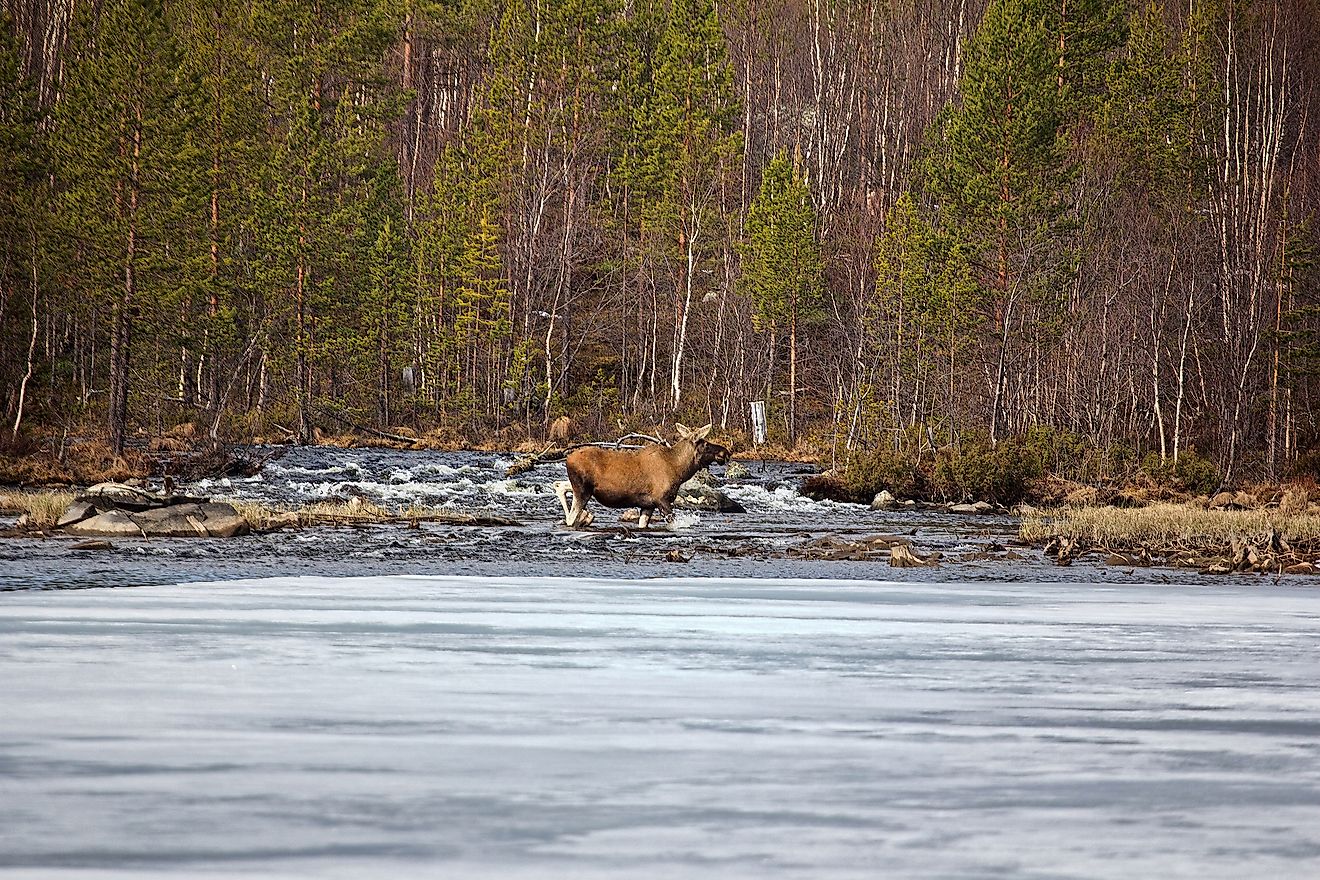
x,y
529,701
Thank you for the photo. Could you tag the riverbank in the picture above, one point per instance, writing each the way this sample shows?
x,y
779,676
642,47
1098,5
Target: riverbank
x,y
39,510
1278,540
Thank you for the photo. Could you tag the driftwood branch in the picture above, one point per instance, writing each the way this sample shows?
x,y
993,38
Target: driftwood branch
x,y
344,420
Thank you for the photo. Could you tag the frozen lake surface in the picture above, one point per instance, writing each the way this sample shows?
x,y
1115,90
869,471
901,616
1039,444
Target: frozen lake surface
x,y
499,727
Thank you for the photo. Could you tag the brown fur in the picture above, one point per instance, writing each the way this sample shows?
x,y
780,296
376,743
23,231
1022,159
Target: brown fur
x,y
646,478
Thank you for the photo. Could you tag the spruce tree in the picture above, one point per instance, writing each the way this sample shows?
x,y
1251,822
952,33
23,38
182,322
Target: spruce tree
x,y
782,272
999,174
689,146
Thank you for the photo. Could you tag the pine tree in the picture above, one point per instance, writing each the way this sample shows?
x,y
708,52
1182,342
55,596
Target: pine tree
x,y
226,133
22,225
782,272
689,146
999,175
120,155
327,96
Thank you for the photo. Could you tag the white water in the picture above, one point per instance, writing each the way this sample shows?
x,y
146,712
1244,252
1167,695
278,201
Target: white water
x,y
557,728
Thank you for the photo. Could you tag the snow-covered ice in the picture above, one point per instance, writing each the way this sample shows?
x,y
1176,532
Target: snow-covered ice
x,y
567,728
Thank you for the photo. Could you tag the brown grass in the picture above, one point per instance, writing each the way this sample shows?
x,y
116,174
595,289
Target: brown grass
x,y
1165,525
84,463
42,508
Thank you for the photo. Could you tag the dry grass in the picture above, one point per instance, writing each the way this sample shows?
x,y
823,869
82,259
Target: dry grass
x,y
265,518
42,508
1162,525
84,463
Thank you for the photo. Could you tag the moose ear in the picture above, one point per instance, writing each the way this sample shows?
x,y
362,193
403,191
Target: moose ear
x,y
702,433
683,430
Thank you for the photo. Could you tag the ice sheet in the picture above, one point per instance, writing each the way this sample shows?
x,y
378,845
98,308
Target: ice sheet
x,y
557,728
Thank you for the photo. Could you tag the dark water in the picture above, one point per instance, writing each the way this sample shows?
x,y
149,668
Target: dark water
x,y
758,543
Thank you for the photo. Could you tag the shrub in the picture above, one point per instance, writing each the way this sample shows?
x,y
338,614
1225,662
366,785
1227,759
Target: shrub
x,y
867,471
975,469
1193,472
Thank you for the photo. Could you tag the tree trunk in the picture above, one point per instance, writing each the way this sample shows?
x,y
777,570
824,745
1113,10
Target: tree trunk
x,y
121,329
32,343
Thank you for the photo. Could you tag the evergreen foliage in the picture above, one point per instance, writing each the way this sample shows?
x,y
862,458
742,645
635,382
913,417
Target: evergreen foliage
x,y
276,217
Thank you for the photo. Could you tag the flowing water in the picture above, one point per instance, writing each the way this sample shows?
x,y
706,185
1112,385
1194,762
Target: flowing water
x,y
758,543
534,702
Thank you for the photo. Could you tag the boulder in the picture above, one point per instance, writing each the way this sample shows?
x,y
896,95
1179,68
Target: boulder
x,y
884,500
978,508
696,495
736,470
76,512
901,556
1245,500
195,520
92,544
112,523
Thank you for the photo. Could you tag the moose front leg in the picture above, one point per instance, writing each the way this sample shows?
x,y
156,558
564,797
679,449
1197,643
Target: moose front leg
x,y
576,515
561,490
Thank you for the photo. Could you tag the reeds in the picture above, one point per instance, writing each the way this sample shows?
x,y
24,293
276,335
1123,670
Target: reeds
x,y
1167,526
43,508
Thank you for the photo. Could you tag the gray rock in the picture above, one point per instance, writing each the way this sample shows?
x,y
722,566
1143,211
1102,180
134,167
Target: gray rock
x,y
736,470
112,523
209,520
223,521
884,500
694,495
118,491
92,544
979,507
77,512
177,521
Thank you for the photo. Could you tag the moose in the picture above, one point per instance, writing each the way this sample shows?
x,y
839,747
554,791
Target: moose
x,y
646,478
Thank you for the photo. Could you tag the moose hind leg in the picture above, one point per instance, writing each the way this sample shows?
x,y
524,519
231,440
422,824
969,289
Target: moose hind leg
x,y
644,518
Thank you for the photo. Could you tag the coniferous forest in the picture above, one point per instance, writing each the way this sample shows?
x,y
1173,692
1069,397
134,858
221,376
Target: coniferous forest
x,y
903,223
